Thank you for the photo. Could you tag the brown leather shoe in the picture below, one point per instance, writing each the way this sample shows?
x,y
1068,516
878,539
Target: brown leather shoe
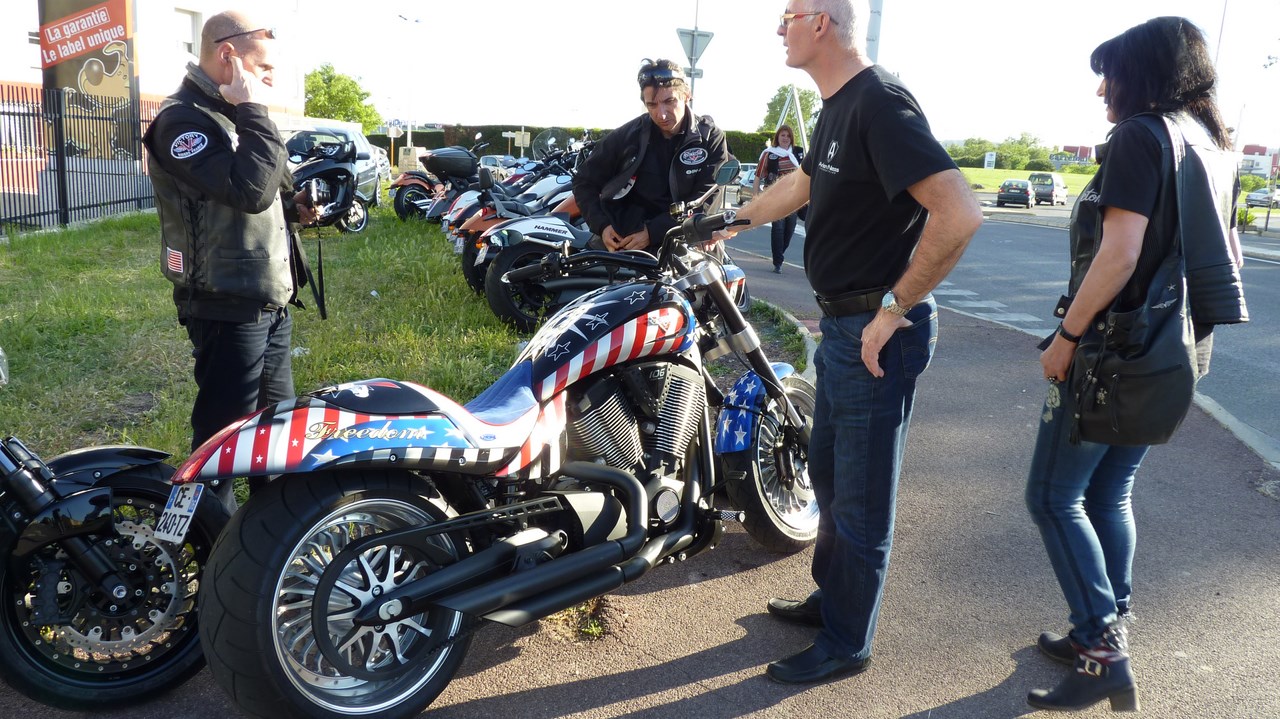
x,y
805,612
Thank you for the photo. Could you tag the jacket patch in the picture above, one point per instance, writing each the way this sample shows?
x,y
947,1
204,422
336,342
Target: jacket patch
x,y
188,144
173,260
694,156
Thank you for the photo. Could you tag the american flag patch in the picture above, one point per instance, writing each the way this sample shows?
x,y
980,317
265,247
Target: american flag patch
x,y
173,259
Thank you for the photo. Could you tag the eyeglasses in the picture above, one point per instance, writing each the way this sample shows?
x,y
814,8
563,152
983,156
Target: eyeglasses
x,y
785,19
660,76
270,31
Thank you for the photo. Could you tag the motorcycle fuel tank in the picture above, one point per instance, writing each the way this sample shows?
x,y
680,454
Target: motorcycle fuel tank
x,y
606,327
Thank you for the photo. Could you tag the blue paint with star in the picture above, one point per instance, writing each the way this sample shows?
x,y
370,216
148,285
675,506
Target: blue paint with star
x,y
736,425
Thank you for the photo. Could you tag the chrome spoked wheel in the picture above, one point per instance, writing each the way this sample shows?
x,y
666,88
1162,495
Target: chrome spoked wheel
x,y
394,661
770,478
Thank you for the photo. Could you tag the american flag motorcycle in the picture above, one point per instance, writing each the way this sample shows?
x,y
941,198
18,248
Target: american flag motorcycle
x,y
401,521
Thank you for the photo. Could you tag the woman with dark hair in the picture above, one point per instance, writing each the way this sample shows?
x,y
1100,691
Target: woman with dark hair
x,y
781,159
1155,76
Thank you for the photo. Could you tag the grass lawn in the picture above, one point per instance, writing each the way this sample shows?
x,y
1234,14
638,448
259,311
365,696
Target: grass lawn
x,y
96,354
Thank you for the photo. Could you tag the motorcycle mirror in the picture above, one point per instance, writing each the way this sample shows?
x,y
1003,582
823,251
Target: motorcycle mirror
x,y
479,135
728,171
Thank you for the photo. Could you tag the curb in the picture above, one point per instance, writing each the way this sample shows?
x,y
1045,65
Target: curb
x,y
810,344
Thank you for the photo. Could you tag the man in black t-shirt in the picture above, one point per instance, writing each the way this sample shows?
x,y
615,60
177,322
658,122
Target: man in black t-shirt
x,y
889,216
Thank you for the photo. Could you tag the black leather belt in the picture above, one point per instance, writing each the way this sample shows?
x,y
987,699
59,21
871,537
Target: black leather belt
x,y
851,303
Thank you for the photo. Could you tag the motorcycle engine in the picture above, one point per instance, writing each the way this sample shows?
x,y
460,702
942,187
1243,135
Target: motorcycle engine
x,y
641,419
319,191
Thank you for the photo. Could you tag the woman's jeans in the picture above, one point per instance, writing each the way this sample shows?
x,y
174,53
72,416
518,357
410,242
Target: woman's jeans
x,y
855,453
782,230
1079,497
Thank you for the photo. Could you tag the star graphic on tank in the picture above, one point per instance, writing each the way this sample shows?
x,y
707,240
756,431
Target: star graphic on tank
x,y
328,456
594,321
740,436
558,351
634,297
455,432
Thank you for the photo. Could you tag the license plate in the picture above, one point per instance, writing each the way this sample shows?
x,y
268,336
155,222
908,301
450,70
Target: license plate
x,y
183,500
480,255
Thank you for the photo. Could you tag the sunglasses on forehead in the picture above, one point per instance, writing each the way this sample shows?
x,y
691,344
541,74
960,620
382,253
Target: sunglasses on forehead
x,y
270,31
660,76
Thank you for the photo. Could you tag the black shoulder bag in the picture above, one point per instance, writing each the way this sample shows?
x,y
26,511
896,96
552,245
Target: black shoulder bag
x,y
1134,380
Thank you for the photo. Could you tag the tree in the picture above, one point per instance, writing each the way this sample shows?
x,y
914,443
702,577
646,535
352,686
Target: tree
x,y
810,103
333,95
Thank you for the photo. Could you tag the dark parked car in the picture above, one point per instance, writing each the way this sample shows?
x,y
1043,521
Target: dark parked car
x,y
367,179
746,179
1050,188
1016,192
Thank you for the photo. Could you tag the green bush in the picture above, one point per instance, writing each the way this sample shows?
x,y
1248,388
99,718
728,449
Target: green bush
x,y
1249,183
1245,217
1039,166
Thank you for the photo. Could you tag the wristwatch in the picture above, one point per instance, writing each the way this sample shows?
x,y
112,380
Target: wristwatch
x,y
890,303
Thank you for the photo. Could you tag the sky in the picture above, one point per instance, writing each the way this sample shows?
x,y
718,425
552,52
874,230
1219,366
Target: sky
x,y
978,69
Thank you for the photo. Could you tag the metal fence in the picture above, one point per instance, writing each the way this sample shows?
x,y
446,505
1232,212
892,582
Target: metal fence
x,y
67,157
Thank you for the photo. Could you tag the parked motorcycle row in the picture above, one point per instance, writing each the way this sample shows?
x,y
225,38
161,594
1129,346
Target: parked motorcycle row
x,y
401,521
496,227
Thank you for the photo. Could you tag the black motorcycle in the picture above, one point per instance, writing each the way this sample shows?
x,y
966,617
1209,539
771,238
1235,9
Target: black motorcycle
x,y
327,172
427,195
98,607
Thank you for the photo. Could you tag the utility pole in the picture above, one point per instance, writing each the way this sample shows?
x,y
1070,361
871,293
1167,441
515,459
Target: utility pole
x,y
873,29
694,42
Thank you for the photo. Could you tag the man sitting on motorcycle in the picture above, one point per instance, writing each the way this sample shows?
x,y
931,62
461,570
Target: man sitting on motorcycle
x,y
626,186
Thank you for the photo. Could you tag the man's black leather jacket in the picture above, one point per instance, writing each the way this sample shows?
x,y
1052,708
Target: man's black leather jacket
x,y
604,181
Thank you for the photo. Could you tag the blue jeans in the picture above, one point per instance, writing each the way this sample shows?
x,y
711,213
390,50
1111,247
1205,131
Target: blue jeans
x,y
1079,498
855,454
780,233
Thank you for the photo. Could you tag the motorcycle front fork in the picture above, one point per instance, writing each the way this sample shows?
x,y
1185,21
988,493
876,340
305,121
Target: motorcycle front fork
x,y
26,478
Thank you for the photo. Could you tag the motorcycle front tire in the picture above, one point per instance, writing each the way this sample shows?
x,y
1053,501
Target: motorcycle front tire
x,y
521,305
781,519
471,272
356,219
262,646
38,668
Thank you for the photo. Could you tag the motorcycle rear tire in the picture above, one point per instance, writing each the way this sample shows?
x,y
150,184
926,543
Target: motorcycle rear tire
x,y
521,305
782,520
138,496
403,204
356,219
274,552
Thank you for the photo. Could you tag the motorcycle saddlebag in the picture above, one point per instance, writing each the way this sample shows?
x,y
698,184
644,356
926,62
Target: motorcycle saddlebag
x,y
452,161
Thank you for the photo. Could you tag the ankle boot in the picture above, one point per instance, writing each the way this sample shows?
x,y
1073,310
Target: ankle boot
x,y
1101,672
1057,647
